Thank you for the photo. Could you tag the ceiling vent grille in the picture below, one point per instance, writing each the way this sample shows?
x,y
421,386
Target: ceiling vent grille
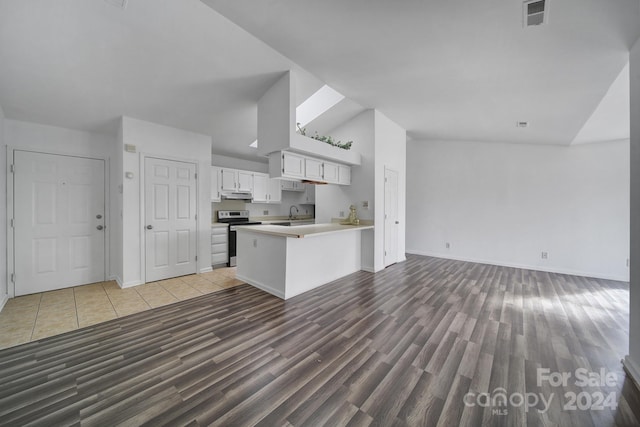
x,y
119,3
535,12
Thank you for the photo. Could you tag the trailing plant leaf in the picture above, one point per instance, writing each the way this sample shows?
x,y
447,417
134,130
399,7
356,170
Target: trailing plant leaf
x,y
328,139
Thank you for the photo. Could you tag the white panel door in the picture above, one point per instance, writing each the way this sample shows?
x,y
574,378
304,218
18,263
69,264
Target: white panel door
x,y
170,218
390,217
59,221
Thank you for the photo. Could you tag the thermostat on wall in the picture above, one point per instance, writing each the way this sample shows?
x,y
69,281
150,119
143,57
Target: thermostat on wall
x,y
129,148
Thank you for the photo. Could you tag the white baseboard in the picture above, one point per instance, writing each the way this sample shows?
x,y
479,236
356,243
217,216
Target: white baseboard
x,y
633,370
367,269
206,270
522,266
131,284
3,301
261,286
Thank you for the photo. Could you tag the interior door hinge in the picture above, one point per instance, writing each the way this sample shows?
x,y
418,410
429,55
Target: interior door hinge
x,y
196,257
12,168
12,223
13,278
195,176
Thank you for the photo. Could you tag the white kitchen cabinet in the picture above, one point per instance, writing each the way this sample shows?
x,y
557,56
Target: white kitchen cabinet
x,y
215,184
291,185
266,190
293,165
219,245
298,167
245,181
275,192
309,195
313,169
344,175
330,172
228,179
236,180
260,188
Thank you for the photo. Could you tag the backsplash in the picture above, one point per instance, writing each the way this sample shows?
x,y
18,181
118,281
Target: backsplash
x,y
289,198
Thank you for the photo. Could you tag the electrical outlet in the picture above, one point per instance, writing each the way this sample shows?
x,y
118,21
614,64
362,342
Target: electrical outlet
x,y
627,262
265,212
365,204
544,255
447,245
341,214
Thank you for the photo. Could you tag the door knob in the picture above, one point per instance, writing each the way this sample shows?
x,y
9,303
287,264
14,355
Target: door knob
x,y
99,227
99,216
397,222
149,227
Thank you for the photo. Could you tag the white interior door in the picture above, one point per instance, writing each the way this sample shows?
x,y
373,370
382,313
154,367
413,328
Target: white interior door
x,y
390,217
170,218
58,222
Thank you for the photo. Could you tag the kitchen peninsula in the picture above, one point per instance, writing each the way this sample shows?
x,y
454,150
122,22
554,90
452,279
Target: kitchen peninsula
x,y
287,261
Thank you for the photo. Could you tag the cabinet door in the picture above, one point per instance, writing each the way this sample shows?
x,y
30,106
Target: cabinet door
x,y
245,181
344,175
292,165
275,192
330,172
228,180
309,193
298,186
313,169
215,184
260,188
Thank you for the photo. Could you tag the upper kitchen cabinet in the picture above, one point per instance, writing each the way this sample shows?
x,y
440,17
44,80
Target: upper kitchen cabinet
x,y
277,127
344,175
297,167
293,165
291,185
236,180
265,189
215,184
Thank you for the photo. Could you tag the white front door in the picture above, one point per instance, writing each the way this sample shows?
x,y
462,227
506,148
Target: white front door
x,y
59,226
170,218
390,217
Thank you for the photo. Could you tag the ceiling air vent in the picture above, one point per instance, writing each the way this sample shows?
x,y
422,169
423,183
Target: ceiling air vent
x,y
535,12
119,3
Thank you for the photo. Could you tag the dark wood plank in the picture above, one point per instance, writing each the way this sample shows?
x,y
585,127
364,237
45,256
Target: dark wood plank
x,y
403,347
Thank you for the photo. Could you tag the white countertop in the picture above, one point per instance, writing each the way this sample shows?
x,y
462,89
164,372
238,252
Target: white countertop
x,y
301,231
219,224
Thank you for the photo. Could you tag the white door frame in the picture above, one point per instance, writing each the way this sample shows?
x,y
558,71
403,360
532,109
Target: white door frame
x,y
384,232
11,267
143,235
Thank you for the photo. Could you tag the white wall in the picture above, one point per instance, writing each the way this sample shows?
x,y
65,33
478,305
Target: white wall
x,y
632,361
57,140
506,203
154,139
4,290
382,144
242,164
331,200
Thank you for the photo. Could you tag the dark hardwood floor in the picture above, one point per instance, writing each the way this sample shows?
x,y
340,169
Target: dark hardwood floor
x,y
407,346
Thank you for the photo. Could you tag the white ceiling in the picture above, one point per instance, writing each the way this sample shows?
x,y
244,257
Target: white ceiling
x,y
461,69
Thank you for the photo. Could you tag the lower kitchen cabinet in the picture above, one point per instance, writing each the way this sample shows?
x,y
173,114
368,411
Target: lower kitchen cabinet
x,y
219,245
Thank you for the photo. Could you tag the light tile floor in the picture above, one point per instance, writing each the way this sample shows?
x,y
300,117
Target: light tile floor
x,y
32,317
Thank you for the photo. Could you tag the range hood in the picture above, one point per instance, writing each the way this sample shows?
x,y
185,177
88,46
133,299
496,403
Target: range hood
x,y
236,195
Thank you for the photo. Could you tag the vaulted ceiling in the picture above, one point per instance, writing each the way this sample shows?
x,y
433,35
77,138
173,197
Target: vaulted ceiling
x,y
461,69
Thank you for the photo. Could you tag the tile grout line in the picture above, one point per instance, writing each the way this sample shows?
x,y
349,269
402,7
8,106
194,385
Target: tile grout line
x,y
110,301
75,305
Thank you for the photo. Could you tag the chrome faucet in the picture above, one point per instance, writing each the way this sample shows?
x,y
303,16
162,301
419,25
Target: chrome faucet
x,y
292,216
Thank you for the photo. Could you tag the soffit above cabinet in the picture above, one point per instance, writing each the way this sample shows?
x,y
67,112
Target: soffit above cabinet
x,y
277,127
